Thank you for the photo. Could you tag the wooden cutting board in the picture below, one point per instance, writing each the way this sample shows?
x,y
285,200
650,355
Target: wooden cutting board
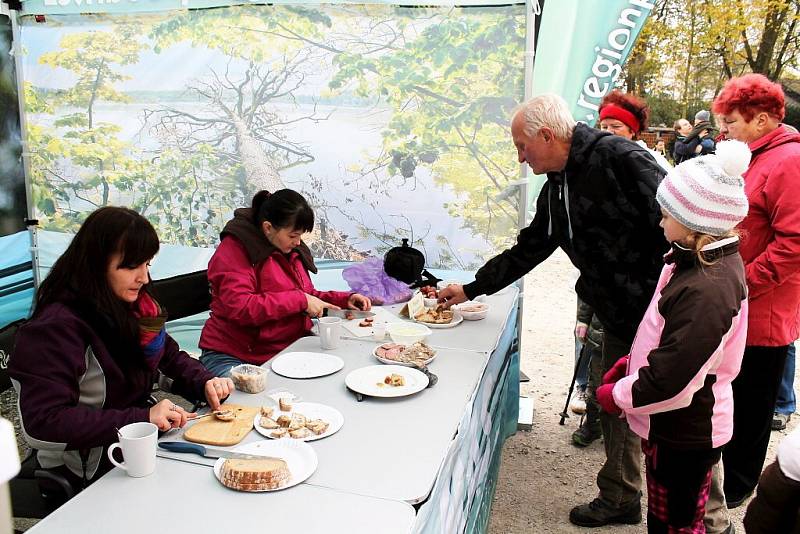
x,y
212,431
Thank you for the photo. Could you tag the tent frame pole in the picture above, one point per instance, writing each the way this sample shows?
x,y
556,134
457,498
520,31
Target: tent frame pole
x,y
26,163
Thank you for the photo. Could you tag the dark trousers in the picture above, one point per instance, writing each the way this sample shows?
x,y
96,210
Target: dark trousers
x,y
678,483
620,478
754,394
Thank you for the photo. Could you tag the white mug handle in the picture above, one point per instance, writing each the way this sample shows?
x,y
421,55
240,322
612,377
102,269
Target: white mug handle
x,y
111,456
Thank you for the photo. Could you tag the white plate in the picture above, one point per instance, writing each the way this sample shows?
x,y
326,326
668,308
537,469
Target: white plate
x,y
366,379
300,458
457,319
311,410
306,364
394,362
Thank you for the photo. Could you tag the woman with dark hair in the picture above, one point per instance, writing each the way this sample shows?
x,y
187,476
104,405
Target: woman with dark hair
x,y
627,115
262,297
85,363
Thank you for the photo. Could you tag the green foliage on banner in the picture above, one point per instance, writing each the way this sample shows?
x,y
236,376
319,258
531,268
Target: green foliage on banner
x,y
449,78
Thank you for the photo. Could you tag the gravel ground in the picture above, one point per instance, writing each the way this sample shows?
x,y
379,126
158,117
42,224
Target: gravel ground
x,y
542,476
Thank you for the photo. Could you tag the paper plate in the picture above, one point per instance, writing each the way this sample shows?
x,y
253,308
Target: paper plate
x,y
311,410
306,364
388,361
457,320
366,380
300,458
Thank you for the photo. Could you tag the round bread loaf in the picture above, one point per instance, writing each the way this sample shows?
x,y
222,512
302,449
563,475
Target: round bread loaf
x,y
254,475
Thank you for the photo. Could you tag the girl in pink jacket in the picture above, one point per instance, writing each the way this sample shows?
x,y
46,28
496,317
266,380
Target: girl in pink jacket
x,y
262,298
675,387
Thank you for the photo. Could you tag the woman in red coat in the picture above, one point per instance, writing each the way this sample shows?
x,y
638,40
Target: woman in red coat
x,y
262,298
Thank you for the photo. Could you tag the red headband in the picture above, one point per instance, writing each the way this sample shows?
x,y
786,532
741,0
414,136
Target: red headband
x,y
613,111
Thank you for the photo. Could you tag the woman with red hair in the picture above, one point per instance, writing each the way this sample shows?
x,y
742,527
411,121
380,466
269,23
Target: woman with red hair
x,y
751,109
626,115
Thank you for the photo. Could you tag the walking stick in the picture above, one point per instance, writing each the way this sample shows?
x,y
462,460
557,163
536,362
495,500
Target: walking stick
x,y
578,364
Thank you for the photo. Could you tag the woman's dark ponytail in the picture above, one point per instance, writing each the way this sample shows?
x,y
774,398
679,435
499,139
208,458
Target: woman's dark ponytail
x,y
284,208
258,202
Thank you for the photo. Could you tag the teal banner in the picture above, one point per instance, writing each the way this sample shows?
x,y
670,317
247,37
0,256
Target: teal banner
x,y
583,45
74,7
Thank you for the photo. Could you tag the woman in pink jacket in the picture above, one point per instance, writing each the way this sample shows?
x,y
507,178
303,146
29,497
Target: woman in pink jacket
x,y
262,298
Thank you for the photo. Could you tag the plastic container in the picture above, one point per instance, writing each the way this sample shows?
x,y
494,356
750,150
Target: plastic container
x,y
249,378
407,333
444,283
430,303
472,310
379,330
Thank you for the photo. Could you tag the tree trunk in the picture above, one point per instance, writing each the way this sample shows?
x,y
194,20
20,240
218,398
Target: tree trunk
x,y
776,15
258,169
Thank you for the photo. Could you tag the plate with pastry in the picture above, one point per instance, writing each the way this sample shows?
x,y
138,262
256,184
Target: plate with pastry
x,y
301,421
306,364
386,381
285,463
400,354
439,318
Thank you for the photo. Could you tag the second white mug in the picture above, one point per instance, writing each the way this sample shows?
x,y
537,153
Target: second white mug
x,y
330,332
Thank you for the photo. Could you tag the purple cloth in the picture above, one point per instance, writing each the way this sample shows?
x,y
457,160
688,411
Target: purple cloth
x,y
369,279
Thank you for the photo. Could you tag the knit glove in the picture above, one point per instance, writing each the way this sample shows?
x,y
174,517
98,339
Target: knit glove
x,y
619,370
605,398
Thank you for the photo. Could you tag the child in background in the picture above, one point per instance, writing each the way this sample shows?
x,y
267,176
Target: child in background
x,y
675,387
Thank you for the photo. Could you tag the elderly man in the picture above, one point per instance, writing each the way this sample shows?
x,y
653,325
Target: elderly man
x,y
751,109
598,205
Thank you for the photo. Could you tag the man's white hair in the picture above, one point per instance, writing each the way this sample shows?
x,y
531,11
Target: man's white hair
x,y
548,110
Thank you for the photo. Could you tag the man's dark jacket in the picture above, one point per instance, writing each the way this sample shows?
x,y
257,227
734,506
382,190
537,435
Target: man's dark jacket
x,y
601,210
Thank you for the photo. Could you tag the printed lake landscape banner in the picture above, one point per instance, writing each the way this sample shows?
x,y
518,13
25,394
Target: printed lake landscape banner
x,y
392,121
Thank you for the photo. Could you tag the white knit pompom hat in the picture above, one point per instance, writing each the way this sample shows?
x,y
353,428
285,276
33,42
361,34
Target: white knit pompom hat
x,y
706,193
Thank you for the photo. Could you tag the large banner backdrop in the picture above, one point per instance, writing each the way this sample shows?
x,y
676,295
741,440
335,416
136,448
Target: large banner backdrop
x,y
392,121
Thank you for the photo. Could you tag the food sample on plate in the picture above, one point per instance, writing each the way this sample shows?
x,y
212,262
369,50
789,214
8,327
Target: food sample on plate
x,y
257,474
418,352
285,405
435,316
473,307
297,426
367,322
266,411
393,380
269,424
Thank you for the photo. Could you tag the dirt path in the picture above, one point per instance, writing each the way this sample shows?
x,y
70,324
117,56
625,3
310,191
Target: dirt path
x,y
542,475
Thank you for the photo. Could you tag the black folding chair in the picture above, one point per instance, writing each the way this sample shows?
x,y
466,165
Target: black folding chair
x,y
35,491
183,295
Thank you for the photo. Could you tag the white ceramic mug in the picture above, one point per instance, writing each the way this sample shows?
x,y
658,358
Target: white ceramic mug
x,y
138,444
330,332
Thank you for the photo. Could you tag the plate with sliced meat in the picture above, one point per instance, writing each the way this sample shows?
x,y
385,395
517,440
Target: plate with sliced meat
x,y
399,354
302,421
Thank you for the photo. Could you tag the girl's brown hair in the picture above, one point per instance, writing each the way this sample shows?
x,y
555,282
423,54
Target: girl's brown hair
x,y
697,240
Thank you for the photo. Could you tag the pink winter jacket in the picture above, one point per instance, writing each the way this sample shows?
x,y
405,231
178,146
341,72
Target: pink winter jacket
x,y
257,308
771,239
687,351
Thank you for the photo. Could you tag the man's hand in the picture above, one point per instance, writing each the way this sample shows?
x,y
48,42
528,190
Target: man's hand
x,y
452,294
581,330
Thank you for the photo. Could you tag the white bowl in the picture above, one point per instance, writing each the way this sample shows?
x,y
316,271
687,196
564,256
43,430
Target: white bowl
x,y
474,310
407,333
430,303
